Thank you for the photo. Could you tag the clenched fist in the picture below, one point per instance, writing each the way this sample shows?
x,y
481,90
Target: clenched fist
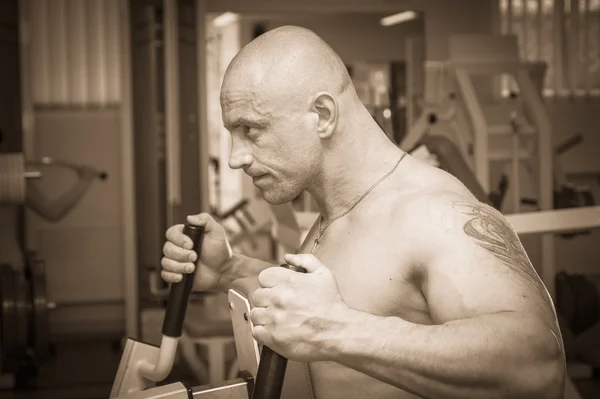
x,y
179,256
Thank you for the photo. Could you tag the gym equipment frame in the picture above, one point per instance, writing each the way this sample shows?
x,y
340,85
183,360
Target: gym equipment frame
x,y
142,365
264,381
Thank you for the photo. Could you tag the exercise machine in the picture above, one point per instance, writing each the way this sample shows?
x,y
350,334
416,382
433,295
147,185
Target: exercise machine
x,y
262,371
24,321
261,375
24,306
15,171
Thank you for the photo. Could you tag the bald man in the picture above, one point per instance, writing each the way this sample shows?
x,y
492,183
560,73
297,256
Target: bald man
x,y
414,288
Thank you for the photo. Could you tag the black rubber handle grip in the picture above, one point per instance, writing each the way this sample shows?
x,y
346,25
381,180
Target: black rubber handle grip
x,y
180,292
272,366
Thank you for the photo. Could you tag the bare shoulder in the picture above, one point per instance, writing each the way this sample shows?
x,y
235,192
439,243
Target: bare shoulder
x,y
473,261
457,221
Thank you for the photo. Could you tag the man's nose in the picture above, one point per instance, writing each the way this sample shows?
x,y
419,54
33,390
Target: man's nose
x,y
240,156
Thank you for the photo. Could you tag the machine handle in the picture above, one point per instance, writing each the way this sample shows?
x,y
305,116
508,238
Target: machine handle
x,y
271,368
180,292
100,174
234,209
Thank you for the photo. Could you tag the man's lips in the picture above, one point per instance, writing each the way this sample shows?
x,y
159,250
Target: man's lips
x,y
258,178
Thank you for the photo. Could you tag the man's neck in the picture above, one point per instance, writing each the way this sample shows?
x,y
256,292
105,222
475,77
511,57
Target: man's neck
x,y
349,175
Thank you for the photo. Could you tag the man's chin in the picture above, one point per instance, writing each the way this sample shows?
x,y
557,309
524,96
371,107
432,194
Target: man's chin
x,y
273,197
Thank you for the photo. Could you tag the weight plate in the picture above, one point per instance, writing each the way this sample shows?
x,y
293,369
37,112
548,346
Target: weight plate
x,y
9,319
12,178
41,330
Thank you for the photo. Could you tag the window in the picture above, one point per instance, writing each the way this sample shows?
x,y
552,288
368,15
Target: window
x,y
564,34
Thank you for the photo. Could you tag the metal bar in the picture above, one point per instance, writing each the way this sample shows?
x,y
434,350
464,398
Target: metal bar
x,y
545,151
481,155
96,302
175,390
201,59
28,83
233,389
555,221
130,277
516,180
171,90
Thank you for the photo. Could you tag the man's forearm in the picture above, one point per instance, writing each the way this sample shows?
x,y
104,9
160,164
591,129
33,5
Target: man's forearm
x,y
494,356
240,266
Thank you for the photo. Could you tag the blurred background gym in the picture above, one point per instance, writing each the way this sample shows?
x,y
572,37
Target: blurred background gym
x,y
111,131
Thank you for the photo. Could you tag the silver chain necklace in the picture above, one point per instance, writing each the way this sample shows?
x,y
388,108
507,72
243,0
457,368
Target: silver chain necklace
x,y
360,198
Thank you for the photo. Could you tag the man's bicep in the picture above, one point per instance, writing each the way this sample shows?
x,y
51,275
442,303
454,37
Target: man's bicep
x,y
482,268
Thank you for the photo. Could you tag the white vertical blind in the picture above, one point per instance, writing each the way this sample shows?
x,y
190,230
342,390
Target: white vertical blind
x,y
565,34
75,52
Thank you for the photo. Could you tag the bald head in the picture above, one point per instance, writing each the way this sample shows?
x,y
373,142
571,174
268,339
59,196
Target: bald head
x,y
290,106
288,64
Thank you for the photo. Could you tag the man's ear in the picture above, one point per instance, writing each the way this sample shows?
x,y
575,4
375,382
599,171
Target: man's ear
x,y
326,108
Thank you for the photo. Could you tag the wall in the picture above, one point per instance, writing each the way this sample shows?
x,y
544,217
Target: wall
x,y
355,37
445,18
82,252
75,52
73,71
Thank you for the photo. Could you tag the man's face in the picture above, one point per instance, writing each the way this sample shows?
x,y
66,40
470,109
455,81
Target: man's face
x,y
271,141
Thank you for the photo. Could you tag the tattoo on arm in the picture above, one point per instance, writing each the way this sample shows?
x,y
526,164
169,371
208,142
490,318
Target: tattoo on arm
x,y
493,233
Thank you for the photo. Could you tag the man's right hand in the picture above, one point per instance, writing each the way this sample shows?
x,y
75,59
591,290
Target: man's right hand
x,y
179,257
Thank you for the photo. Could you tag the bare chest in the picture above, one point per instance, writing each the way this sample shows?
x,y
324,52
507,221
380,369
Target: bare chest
x,y
374,272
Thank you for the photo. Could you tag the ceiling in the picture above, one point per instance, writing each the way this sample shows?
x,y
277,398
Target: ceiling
x,y
315,6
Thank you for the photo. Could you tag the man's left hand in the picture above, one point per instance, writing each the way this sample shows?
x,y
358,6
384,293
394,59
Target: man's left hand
x,y
295,313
